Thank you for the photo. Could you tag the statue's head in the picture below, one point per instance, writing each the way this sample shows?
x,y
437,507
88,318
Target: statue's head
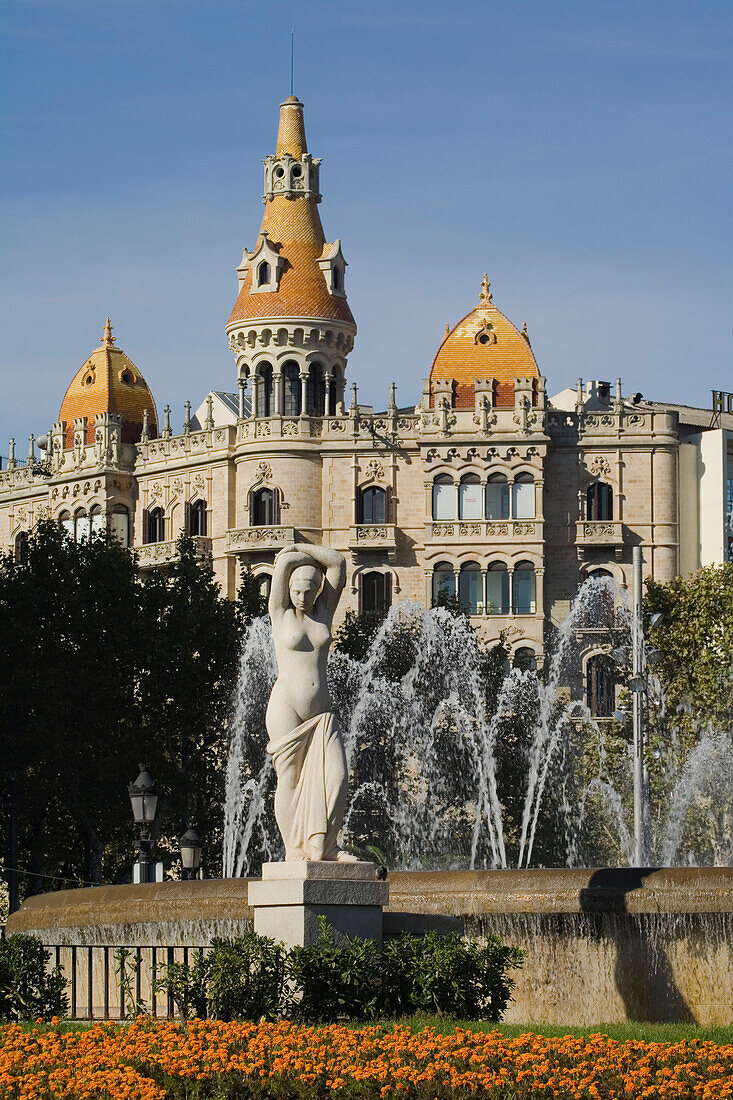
x,y
305,584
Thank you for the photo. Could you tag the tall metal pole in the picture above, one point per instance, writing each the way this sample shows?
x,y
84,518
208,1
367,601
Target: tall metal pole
x,y
641,782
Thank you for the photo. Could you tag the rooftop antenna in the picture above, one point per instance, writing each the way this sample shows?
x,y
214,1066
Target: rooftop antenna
x,y
292,52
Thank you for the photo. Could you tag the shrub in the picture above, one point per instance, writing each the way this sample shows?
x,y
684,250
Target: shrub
x,y
447,975
27,988
246,978
335,982
253,977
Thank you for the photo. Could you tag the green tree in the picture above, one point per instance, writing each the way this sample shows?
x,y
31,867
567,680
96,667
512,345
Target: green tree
x,y
695,635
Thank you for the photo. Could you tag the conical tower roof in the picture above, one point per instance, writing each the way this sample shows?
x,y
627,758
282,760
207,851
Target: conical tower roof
x,y
108,381
292,225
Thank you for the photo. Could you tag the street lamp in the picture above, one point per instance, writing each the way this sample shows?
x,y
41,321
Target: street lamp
x,y
190,845
144,797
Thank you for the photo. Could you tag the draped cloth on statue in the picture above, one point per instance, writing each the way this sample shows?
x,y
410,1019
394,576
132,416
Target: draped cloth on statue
x,y
310,764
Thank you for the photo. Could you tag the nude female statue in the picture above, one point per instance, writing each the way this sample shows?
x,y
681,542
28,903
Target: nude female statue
x,y
305,743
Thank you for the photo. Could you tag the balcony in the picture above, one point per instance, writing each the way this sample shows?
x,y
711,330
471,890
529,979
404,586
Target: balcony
x,y
599,534
243,540
492,530
164,553
373,536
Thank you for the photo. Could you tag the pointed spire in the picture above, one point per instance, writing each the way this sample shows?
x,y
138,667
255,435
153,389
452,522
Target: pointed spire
x,y
108,339
291,131
485,295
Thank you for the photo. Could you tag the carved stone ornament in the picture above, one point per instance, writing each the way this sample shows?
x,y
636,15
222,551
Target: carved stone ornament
x,y
21,517
374,469
156,490
199,482
264,471
600,466
44,512
177,487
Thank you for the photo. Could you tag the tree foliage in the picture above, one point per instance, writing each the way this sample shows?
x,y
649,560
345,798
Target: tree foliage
x,y
695,635
103,668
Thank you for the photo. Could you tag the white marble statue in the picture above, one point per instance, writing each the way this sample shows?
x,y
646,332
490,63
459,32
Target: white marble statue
x,y
304,740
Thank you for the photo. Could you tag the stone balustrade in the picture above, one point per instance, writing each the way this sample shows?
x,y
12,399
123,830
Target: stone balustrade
x,y
163,553
243,539
503,530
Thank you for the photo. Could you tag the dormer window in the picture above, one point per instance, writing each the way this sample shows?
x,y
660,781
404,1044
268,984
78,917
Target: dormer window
x,y
333,266
265,264
263,273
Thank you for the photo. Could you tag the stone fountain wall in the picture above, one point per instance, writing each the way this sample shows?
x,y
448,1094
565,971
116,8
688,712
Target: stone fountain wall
x,y
602,946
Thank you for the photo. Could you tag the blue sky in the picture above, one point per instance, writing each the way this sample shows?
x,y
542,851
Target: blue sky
x,y
578,152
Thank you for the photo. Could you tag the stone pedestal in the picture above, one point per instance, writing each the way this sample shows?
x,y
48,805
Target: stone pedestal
x,y
291,896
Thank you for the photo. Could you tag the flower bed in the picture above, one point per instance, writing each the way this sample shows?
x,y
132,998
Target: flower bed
x,y
148,1060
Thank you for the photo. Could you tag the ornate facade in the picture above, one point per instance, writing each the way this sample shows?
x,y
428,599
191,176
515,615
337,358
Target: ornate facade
x,y
485,488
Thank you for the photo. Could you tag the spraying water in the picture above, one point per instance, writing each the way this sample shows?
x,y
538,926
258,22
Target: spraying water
x,y
452,762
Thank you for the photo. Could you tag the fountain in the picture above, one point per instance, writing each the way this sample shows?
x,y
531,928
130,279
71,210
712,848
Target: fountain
x,y
495,795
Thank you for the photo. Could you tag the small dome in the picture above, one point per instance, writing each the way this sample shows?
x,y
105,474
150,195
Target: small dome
x,y
484,344
109,382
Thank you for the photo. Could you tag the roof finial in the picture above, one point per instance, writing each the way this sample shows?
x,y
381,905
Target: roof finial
x,y
525,334
292,56
107,338
485,294
447,328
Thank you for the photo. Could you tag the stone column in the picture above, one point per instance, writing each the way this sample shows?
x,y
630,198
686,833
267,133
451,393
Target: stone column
x,y
254,395
241,382
303,384
277,393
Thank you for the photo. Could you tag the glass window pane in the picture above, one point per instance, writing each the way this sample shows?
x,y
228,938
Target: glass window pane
x,y
373,592
470,591
444,500
497,591
469,500
444,585
83,527
120,527
523,504
524,592
97,522
497,500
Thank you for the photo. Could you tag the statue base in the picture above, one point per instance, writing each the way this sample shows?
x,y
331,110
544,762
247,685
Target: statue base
x,y
291,896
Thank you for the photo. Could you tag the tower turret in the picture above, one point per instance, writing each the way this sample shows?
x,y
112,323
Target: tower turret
x,y
291,328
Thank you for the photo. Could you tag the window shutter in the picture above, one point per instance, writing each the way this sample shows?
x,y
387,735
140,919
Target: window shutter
x,y
359,506
388,506
387,590
146,525
360,587
276,507
250,508
187,517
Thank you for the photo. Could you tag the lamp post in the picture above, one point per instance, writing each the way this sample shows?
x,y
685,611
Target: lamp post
x,y
190,846
144,796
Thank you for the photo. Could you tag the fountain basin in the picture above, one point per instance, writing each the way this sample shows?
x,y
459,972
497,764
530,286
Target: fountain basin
x,y
602,946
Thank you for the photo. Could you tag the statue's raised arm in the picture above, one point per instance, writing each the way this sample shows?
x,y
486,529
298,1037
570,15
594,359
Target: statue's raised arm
x,y
306,746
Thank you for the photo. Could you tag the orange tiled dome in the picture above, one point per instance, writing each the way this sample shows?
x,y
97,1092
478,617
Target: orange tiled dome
x,y
484,344
293,226
109,382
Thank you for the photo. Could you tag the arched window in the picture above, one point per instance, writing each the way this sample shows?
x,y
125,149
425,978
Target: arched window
x,y
444,497
444,583
524,589
196,518
82,525
291,389
470,588
264,389
599,691
315,391
264,581
336,277
470,505
265,507
600,607
497,497
263,273
497,588
523,505
96,520
336,388
599,501
524,658
372,505
155,526
375,591
20,548
67,522
119,524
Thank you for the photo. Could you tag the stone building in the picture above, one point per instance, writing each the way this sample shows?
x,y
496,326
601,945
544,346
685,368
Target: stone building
x,y
484,487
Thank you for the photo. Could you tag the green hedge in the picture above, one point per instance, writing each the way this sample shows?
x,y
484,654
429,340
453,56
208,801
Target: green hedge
x,y
253,977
